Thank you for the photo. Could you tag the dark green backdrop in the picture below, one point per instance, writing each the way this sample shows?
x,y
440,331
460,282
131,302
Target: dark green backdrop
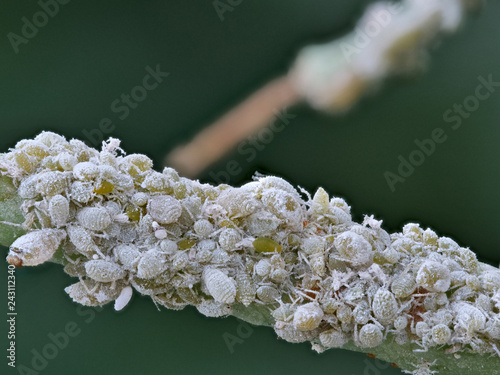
x,y
66,77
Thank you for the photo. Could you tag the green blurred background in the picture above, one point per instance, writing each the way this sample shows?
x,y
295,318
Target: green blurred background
x,y
67,76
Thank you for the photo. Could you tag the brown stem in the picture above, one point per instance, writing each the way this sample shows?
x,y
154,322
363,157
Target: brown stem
x,y
245,119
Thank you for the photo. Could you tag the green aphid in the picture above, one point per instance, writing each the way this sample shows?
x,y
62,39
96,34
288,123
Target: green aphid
x,y
266,245
186,243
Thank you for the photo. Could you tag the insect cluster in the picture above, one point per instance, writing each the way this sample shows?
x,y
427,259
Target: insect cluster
x,y
120,226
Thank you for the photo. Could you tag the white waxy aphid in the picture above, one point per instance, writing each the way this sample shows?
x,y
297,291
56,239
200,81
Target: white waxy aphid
x,y
170,301
279,275
228,239
94,218
124,298
114,208
385,306
104,271
92,293
434,276
82,239
67,161
313,245
308,317
237,202
403,285
58,210
361,313
171,174
474,283
370,336
85,171
400,323
354,249
220,256
493,328
35,247
168,246
330,305
161,234
267,294
288,332
34,149
152,263
285,206
320,203
128,255
468,260
338,216
180,260
344,313
277,261
317,263
341,204
156,182
27,188
263,267
50,138
51,183
209,245
441,334
214,309
430,239
468,317
220,286
421,329
333,338
245,288
128,233
203,256
140,199
413,231
273,182
164,209
203,228
136,163
490,280
261,223
391,255
443,316
484,303
81,192
284,312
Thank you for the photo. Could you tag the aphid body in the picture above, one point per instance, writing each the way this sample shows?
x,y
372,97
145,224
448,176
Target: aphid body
x,y
307,317
221,287
58,210
104,271
164,209
35,247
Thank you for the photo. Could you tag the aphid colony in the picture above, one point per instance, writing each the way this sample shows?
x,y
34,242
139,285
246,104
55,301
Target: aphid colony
x,y
118,225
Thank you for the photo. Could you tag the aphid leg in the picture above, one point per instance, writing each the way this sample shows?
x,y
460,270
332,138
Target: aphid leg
x,y
495,349
70,260
85,285
12,224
